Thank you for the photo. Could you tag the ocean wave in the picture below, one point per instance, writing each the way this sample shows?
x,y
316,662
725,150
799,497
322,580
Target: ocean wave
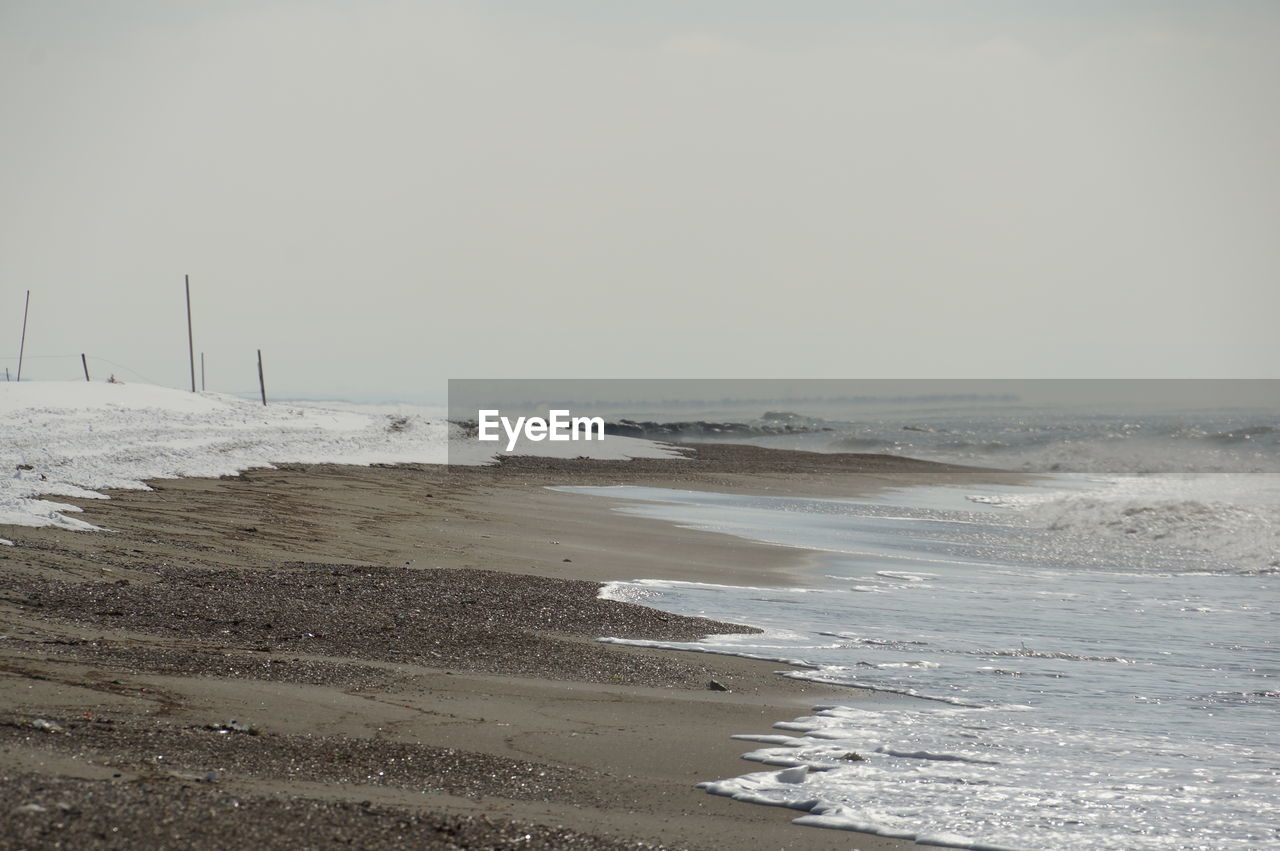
x,y
1212,523
888,644
844,677
1240,435
1254,449
906,575
1028,653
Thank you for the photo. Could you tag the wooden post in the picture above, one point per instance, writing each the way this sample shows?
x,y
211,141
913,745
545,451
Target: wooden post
x,y
23,345
202,372
85,364
191,345
262,384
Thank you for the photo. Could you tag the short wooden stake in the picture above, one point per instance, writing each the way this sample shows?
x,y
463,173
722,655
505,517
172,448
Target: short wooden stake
x,y
85,364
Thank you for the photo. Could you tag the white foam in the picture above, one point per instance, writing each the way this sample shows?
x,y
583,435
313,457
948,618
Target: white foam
x,y
715,650
938,756
906,575
843,770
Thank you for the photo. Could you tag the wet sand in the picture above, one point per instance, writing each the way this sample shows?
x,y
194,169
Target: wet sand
x,y
408,657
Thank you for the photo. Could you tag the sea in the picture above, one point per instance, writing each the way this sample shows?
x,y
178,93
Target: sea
x,y
1084,659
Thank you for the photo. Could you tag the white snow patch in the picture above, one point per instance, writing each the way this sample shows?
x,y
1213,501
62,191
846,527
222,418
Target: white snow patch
x,y
76,439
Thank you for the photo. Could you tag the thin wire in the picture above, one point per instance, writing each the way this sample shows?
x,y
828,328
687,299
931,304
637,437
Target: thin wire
x,y
40,357
122,366
94,358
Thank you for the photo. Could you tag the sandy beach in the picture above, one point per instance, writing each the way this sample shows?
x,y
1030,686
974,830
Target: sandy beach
x,y
395,657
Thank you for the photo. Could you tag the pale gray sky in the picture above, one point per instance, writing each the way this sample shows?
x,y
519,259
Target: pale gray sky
x,y
382,195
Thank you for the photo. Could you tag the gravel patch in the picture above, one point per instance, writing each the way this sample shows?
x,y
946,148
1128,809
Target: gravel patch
x,y
471,620
210,662
38,812
212,754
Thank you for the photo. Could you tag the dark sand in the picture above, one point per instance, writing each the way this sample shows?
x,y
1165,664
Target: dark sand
x,y
408,656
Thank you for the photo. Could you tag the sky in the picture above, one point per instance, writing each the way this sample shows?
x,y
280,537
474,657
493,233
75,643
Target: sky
x,y
384,195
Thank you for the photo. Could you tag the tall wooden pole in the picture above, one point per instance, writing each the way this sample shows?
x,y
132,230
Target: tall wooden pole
x,y
191,342
85,364
23,345
262,383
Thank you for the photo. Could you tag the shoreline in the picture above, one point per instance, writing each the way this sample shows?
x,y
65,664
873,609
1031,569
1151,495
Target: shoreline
x,y
156,631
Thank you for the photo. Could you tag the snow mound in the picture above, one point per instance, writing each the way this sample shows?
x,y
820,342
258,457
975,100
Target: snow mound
x,y
76,439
